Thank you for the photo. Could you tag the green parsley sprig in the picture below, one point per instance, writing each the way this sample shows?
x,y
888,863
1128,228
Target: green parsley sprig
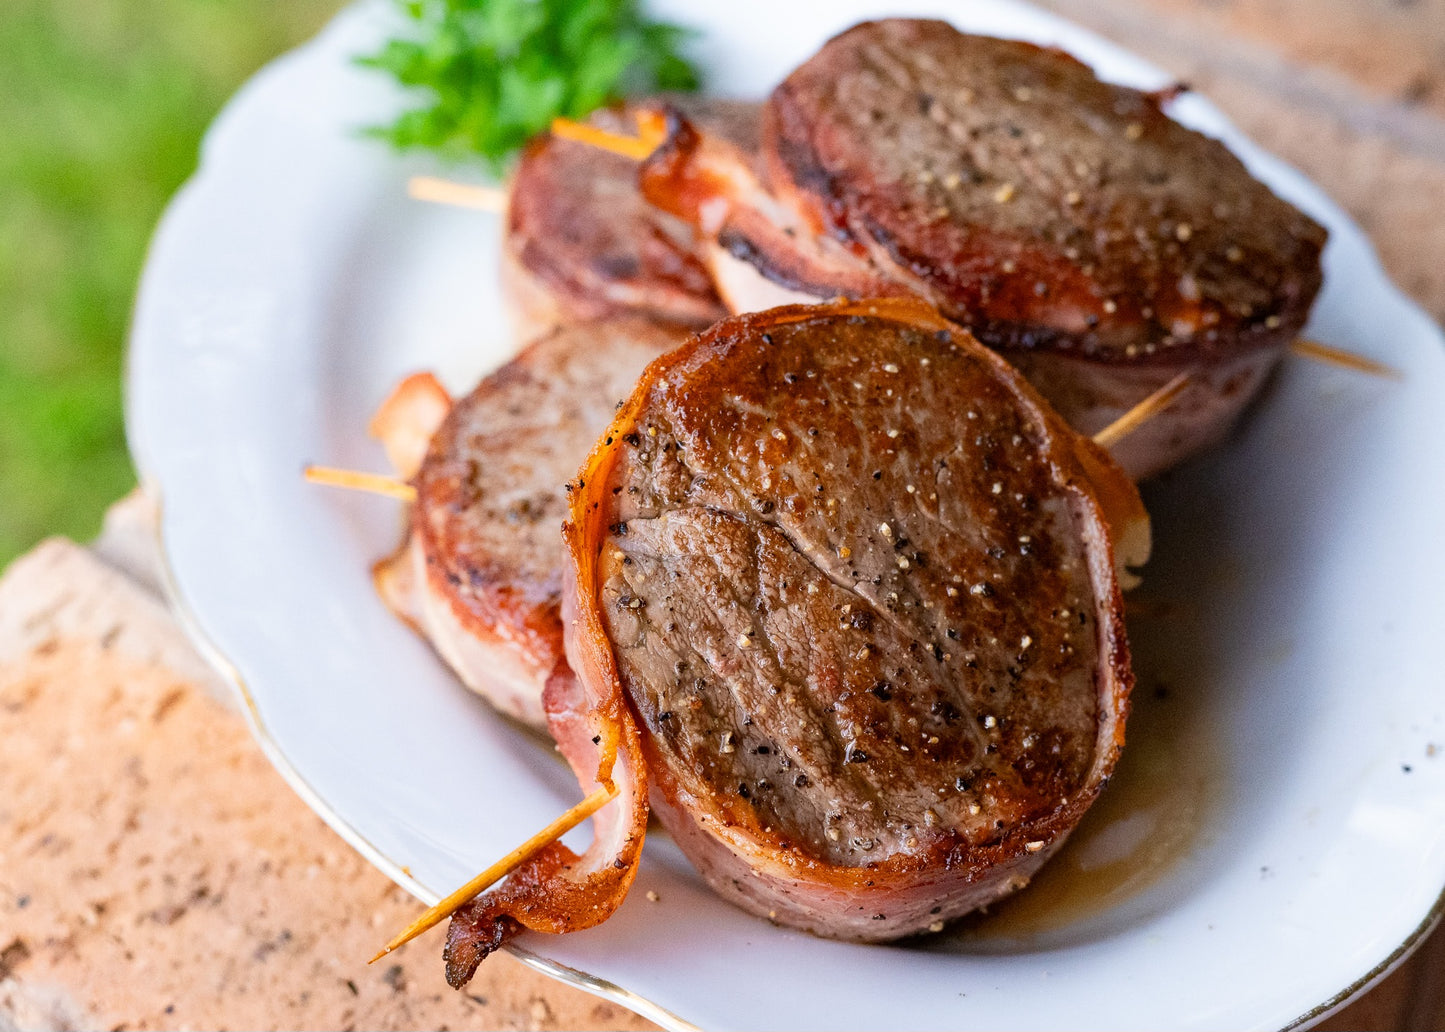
x,y
496,72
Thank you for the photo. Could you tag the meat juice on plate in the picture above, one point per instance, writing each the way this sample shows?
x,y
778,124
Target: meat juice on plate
x,y
1139,833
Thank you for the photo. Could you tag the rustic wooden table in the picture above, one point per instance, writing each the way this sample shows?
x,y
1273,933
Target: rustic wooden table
x,y
155,872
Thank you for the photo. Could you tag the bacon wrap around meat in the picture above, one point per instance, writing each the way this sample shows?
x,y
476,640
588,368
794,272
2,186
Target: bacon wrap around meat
x,y
816,691
481,576
581,243
764,252
558,891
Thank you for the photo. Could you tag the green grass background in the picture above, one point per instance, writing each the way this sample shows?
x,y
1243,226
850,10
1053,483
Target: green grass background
x,y
102,107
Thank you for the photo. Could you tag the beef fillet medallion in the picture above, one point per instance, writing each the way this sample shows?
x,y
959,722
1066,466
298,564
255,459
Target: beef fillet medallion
x,y
1070,223
856,588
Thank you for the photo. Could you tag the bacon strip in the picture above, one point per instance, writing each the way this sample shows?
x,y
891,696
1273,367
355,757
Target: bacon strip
x,y
558,891
766,250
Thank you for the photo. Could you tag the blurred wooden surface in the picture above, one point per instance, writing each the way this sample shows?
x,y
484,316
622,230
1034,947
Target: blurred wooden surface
x,y
155,872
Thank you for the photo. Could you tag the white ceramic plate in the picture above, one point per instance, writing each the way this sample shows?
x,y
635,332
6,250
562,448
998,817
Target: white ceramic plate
x,y
1276,837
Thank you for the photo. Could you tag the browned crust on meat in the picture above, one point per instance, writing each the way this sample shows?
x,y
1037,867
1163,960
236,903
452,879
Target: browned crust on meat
x,y
714,380
1041,206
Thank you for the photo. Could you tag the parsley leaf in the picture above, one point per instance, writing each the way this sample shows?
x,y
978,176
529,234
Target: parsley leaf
x,y
494,73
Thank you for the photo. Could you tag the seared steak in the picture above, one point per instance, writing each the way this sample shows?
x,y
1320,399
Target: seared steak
x,y
858,583
1069,223
582,244
480,574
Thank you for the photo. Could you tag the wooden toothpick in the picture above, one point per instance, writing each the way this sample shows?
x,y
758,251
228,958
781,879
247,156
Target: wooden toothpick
x,y
460,195
649,135
503,867
1140,413
1345,359
376,483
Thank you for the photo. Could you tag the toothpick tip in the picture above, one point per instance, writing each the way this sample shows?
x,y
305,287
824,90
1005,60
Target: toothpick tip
x,y
635,148
1345,359
444,909
1141,413
461,195
354,480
